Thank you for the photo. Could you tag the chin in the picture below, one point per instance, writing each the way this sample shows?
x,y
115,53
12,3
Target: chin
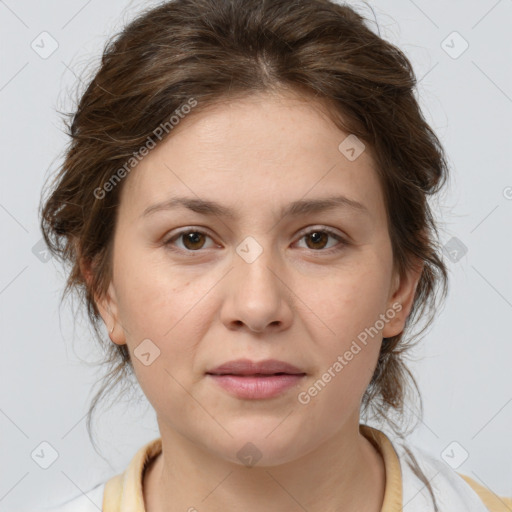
x,y
258,444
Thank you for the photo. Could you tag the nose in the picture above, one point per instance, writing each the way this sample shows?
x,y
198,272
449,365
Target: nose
x,y
257,297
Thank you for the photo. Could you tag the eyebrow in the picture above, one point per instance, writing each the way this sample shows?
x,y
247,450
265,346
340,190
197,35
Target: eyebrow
x,y
300,207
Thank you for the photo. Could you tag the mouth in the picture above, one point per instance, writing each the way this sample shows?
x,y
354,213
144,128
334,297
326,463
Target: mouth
x,y
246,367
249,380
254,374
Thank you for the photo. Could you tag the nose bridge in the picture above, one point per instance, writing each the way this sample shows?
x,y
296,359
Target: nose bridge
x,y
255,294
256,262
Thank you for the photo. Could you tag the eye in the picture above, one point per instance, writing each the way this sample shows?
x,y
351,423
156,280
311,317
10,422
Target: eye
x,y
193,240
316,239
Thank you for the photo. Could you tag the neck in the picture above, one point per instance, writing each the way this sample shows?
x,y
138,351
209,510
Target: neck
x,y
344,473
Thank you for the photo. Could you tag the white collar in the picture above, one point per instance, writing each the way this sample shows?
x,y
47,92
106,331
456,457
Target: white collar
x,y
452,492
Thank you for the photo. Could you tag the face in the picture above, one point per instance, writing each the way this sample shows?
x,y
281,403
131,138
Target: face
x,y
198,286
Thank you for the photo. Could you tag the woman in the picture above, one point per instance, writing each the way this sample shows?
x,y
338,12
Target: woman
x,y
244,205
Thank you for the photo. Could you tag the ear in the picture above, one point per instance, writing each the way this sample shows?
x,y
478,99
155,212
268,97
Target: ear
x,y
401,299
107,305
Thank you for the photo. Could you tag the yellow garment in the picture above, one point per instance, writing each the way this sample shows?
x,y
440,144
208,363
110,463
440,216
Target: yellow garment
x,y
123,493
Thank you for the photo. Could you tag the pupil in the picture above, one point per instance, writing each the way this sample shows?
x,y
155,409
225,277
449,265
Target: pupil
x,y
317,236
193,238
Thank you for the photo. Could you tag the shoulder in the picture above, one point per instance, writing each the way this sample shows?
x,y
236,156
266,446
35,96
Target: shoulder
x,y
123,487
92,501
491,500
452,490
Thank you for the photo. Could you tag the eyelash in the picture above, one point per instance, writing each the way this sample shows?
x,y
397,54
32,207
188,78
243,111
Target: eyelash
x,y
328,231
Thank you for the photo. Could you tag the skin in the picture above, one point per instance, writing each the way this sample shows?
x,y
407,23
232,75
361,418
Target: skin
x,y
296,302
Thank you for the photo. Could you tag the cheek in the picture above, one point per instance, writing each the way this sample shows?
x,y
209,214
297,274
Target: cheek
x,y
352,300
170,309
349,335
154,296
162,307
347,356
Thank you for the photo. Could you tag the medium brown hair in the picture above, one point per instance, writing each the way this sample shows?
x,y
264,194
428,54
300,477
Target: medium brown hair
x,y
217,50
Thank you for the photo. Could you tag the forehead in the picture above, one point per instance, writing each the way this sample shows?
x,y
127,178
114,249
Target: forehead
x,y
253,151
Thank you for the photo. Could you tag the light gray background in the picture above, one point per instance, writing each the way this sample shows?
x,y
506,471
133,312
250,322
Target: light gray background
x,y
464,366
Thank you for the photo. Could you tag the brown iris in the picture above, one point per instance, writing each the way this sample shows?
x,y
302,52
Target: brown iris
x,y
192,240
317,236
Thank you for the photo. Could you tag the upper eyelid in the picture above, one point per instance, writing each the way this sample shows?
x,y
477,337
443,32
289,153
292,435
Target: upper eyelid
x,y
319,227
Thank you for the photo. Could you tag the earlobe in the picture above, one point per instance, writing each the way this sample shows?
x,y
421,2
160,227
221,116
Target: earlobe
x,y
109,311
107,306
402,299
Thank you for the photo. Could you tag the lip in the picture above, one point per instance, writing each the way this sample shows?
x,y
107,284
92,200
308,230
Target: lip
x,y
252,380
257,387
242,367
